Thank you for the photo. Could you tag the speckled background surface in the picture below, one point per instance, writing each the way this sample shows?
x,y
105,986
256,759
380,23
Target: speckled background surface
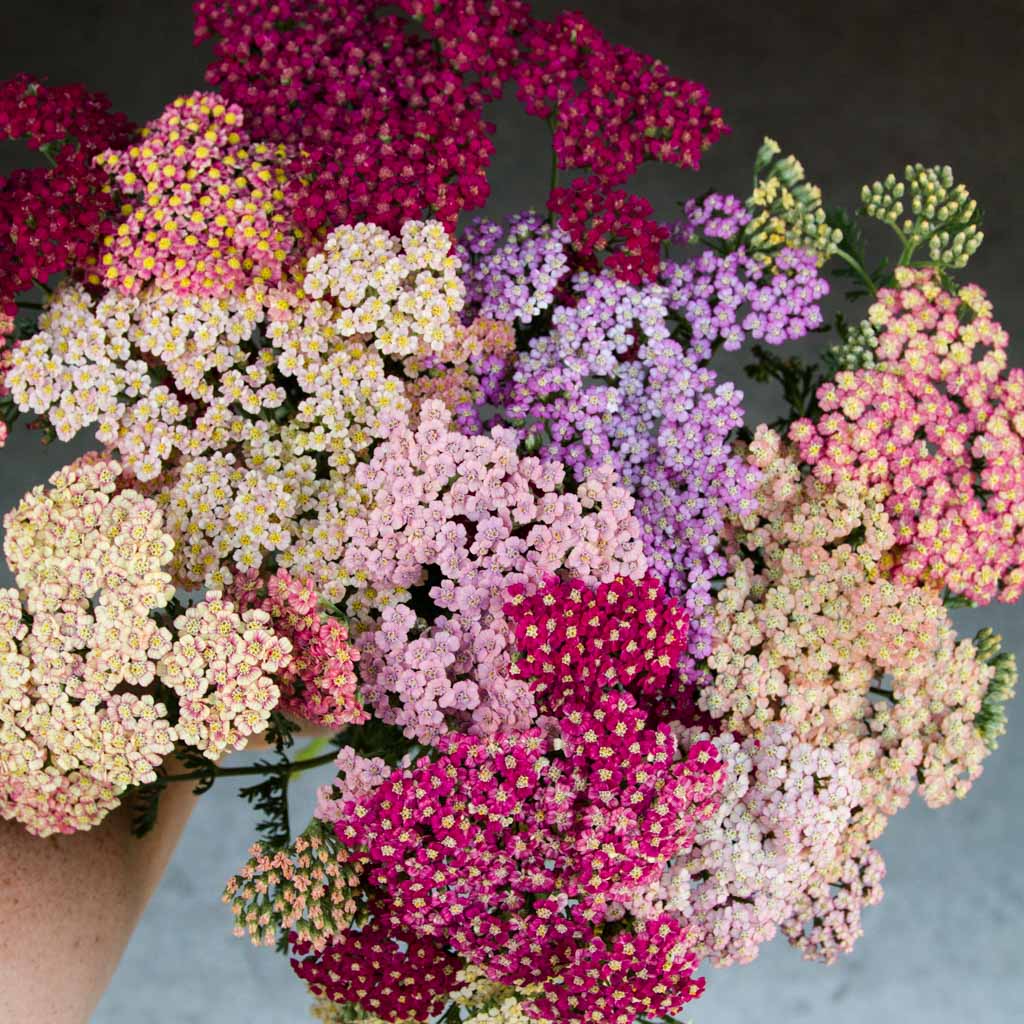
x,y
855,91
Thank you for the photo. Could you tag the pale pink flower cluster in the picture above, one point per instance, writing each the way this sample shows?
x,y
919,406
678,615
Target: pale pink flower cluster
x,y
940,428
461,519
814,635
779,831
403,291
212,209
221,666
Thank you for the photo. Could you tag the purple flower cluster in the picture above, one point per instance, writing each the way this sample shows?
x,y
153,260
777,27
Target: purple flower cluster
x,y
511,271
717,215
610,385
712,291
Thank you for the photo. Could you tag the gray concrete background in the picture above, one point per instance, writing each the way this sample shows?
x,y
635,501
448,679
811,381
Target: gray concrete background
x,y
855,91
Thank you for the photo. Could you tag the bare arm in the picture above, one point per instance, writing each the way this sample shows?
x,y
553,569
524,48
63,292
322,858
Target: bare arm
x,y
68,906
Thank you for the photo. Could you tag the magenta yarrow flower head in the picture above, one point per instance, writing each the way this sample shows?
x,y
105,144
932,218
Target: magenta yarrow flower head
x,y
575,642
939,427
387,130
511,847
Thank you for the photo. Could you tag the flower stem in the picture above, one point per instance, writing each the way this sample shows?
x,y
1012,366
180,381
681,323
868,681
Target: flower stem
x,y
860,271
290,768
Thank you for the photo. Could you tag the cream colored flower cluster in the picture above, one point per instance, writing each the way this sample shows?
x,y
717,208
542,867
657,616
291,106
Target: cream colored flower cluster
x,y
78,642
403,291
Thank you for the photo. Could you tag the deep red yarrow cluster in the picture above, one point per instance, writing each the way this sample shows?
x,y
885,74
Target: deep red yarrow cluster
x,y
51,218
576,641
646,975
608,222
395,976
611,108
512,847
479,37
319,682
392,126
390,132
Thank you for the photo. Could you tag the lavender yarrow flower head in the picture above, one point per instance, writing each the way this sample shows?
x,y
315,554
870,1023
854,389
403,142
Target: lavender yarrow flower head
x,y
727,298
716,215
610,385
511,271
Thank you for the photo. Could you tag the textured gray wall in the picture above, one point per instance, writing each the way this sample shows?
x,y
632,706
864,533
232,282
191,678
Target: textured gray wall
x,y
855,91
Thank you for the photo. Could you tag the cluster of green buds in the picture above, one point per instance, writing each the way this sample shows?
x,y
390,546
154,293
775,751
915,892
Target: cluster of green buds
x,y
991,719
786,210
856,349
927,208
306,887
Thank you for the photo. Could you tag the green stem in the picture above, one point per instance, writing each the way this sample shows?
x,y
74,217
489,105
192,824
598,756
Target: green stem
x,y
312,748
861,272
289,769
30,305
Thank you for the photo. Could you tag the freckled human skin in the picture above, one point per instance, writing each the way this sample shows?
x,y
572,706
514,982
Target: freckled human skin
x,y
68,906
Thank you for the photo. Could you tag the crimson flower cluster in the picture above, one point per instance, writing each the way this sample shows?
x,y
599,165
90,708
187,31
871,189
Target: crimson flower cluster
x,y
395,977
388,129
51,218
604,221
576,641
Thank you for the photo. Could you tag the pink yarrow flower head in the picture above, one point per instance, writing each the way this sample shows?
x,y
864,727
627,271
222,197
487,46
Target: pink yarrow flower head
x,y
450,523
208,210
939,427
319,682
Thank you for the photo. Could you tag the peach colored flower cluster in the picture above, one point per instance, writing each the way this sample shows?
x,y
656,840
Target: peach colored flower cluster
x,y
464,372
460,519
940,428
208,209
305,888
810,631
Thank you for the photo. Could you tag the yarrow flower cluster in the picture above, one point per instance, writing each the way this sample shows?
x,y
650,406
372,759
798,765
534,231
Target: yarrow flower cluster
x,y
52,218
810,632
938,427
213,213
319,682
616,790
305,890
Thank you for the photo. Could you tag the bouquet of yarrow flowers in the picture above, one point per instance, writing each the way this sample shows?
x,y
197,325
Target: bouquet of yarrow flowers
x,y
615,683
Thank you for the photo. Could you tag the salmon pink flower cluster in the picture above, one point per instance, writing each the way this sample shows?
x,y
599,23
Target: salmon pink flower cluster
x,y
611,682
